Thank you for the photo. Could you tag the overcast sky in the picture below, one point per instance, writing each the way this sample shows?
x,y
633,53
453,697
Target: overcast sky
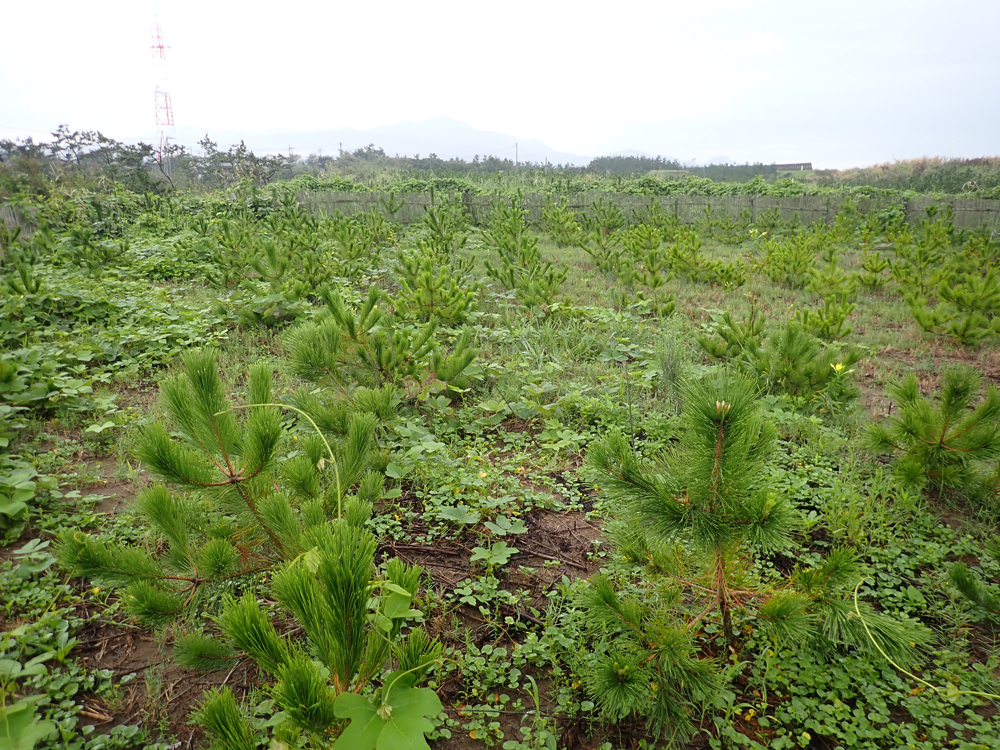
x,y
839,83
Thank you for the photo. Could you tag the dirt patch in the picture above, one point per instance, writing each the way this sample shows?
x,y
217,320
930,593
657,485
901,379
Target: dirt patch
x,y
118,496
889,365
103,476
141,397
446,562
565,538
162,695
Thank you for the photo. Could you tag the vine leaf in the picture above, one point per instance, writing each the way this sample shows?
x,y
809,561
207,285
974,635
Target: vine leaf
x,y
397,723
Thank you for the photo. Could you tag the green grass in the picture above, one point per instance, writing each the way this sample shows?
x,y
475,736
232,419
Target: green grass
x,y
559,378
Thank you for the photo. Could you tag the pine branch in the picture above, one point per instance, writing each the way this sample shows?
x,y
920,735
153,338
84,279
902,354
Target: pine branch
x,y
975,590
243,621
230,726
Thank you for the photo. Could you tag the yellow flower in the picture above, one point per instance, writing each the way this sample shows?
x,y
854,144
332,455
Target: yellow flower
x,y
838,367
95,590
482,474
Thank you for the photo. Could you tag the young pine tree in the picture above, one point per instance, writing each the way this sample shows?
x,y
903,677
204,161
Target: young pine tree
x,y
942,445
521,270
707,494
239,512
371,346
789,262
967,309
559,221
830,281
790,360
829,321
431,288
703,507
352,619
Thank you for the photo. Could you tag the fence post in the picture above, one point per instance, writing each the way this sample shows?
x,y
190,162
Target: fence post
x,y
467,202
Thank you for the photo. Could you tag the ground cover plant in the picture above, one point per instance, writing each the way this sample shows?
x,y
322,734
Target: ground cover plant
x,y
613,481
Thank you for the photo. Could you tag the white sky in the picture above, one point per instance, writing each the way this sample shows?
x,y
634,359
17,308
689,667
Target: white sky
x,y
837,82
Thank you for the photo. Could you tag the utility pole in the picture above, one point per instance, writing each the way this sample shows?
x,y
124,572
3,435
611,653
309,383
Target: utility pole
x,y
163,107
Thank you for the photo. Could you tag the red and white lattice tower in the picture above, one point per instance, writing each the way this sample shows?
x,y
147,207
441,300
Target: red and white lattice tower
x,y
161,97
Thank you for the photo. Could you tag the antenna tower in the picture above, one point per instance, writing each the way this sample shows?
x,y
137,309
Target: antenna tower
x,y
161,97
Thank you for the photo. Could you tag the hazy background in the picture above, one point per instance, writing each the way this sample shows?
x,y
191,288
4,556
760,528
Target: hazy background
x,y
839,84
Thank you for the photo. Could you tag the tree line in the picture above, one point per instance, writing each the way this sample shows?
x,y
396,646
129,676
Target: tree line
x,y
30,167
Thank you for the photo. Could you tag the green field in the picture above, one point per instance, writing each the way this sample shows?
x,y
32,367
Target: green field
x,y
273,479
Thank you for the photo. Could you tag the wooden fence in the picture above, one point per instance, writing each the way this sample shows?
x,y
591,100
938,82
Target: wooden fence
x,y
809,209
10,217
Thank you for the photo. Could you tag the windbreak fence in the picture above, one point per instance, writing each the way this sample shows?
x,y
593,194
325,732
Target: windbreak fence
x,y
406,208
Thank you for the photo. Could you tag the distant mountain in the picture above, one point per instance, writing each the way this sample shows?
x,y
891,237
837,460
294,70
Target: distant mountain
x,y
444,136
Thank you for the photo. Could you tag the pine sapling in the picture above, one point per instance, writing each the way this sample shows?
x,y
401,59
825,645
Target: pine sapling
x,y
643,661
522,270
710,500
968,307
693,518
641,240
799,364
352,245
920,265
827,322
240,512
942,445
352,620
830,281
736,339
789,360
788,262
371,346
874,266
445,223
983,596
559,221
431,288
686,260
